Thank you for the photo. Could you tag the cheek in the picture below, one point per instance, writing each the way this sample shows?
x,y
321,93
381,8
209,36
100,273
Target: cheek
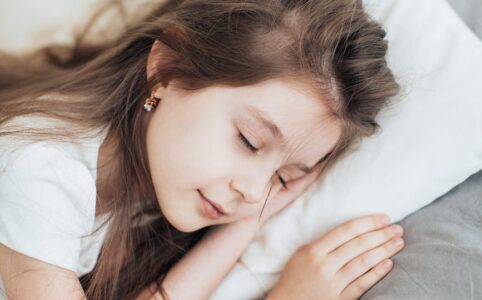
x,y
175,159
248,210
191,156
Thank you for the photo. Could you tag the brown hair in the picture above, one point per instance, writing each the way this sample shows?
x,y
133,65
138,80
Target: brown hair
x,y
334,44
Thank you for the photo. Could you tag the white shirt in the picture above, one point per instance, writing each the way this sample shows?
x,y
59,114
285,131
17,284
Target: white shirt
x,y
48,199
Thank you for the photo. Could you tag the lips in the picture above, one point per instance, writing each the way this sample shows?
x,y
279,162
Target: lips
x,y
218,207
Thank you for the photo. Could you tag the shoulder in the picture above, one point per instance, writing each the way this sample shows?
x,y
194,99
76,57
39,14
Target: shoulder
x,y
47,282
47,202
38,167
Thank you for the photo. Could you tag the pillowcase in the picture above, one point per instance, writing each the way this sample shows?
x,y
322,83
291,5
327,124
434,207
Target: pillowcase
x,y
431,140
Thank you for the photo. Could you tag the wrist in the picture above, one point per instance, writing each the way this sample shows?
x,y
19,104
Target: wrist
x,y
244,227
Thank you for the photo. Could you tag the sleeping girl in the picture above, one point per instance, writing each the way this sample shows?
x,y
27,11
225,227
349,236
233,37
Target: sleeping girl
x,y
144,168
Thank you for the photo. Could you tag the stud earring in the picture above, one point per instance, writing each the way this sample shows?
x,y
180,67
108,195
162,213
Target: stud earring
x,y
151,103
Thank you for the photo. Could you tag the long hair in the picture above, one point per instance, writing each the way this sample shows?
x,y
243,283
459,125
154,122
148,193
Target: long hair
x,y
333,44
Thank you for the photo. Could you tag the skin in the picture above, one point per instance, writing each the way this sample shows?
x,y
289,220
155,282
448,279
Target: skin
x,y
342,264
193,144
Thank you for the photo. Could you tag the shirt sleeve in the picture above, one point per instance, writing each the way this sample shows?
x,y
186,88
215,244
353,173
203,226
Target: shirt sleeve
x,y
47,203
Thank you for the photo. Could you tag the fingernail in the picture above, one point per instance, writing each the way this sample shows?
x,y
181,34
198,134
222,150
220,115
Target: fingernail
x,y
385,220
387,263
396,229
397,242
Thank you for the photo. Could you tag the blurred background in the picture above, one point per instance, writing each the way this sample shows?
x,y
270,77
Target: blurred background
x,y
26,25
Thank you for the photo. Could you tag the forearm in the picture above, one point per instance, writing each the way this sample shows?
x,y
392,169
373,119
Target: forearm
x,y
203,268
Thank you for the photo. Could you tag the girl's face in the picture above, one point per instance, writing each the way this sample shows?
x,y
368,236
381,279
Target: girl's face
x,y
197,143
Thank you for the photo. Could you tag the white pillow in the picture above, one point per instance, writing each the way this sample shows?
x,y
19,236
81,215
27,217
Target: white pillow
x,y
430,142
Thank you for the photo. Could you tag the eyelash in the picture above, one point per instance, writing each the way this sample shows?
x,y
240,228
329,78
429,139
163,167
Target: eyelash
x,y
253,149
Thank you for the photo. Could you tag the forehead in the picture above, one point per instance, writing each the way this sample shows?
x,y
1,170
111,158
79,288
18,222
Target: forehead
x,y
302,118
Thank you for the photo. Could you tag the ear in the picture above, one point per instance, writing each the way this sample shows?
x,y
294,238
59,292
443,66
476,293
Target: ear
x,y
156,58
160,56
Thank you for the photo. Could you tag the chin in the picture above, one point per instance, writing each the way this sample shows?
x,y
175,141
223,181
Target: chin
x,y
181,219
186,229
181,223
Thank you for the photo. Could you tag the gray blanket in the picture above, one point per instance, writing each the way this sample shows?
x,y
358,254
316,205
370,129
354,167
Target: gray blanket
x,y
442,258
471,12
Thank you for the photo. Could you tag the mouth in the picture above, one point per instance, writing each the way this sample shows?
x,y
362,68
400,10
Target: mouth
x,y
218,208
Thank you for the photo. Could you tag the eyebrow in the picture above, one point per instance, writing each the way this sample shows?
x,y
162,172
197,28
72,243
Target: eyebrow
x,y
264,119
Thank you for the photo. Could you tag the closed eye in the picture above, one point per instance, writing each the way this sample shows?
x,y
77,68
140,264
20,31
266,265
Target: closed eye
x,y
248,145
255,150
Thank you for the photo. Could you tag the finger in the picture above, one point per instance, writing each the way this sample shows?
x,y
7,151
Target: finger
x,y
361,244
368,260
349,230
357,288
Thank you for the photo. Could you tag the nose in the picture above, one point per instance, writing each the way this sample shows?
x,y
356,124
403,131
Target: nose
x,y
253,187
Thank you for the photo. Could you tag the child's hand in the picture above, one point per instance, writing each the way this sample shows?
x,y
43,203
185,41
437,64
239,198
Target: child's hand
x,y
342,264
